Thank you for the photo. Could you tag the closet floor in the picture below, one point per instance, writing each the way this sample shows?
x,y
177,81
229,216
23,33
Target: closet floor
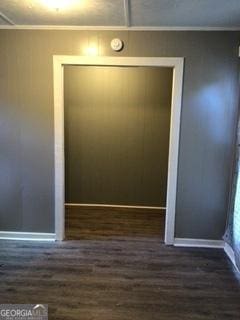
x,y
110,222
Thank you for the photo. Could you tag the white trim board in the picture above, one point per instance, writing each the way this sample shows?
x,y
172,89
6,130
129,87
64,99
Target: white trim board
x,y
33,236
230,253
118,28
112,206
58,66
198,243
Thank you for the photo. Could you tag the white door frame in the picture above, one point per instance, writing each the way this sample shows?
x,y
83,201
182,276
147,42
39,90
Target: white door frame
x,y
58,65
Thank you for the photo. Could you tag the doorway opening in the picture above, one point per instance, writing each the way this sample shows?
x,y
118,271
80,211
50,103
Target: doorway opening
x,y
122,121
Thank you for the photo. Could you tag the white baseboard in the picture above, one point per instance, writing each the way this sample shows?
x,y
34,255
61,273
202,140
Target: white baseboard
x,y
230,253
113,206
33,236
198,243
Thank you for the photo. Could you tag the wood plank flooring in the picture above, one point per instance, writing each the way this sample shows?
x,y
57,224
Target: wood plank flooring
x,y
132,277
110,222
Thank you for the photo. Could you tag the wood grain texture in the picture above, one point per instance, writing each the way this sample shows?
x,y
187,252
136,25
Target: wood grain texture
x,y
126,278
99,223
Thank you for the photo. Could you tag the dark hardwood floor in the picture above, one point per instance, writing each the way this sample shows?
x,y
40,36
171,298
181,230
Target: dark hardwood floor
x,y
110,222
120,277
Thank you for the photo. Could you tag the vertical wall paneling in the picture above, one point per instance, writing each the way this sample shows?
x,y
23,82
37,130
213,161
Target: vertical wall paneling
x,y
117,134
209,108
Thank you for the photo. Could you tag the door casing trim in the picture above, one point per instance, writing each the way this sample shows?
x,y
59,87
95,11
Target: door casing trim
x,y
177,63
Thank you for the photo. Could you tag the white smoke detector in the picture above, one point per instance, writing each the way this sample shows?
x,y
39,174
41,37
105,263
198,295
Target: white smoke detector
x,y
116,44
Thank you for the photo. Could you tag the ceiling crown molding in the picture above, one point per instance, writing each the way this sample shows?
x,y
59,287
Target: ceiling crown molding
x,y
116,28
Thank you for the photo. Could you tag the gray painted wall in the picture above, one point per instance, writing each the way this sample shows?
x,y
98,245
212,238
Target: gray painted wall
x,y
210,100
117,123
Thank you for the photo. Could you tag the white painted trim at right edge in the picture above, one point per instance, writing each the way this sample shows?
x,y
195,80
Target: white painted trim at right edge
x,y
173,150
198,243
230,253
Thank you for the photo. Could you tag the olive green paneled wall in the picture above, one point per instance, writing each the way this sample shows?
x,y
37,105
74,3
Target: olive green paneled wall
x,y
208,122
117,123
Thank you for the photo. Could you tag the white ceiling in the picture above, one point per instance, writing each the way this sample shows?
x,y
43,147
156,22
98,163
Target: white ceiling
x,y
190,14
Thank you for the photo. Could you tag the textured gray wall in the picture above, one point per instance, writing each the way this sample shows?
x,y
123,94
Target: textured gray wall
x,y
210,100
117,123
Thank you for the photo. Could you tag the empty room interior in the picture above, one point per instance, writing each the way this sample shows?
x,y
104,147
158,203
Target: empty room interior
x,y
120,160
